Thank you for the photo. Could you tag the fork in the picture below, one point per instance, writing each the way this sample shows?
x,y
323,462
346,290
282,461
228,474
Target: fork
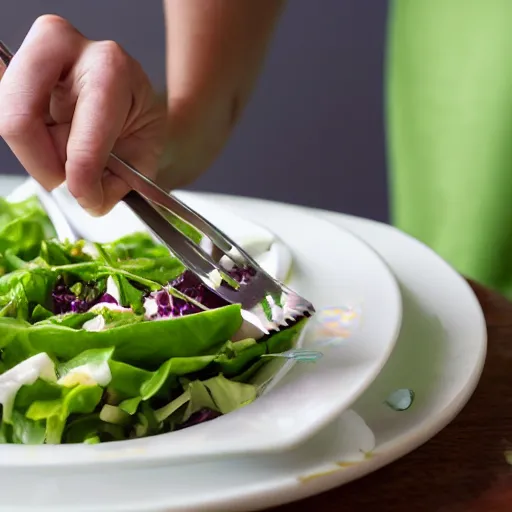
x,y
218,261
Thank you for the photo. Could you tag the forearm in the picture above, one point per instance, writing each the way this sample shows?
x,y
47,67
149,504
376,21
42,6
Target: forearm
x,y
215,49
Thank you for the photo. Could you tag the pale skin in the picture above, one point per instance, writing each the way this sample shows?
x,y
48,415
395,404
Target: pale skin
x,y
66,102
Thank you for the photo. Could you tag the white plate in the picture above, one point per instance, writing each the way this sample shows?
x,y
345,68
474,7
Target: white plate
x,y
439,354
331,267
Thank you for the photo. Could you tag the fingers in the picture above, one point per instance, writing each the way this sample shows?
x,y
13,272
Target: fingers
x,y
66,102
102,109
48,52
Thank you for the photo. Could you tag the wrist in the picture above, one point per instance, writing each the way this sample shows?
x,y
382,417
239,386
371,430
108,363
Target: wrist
x,y
197,131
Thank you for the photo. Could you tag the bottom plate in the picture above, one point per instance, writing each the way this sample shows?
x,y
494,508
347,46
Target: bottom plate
x,y
439,355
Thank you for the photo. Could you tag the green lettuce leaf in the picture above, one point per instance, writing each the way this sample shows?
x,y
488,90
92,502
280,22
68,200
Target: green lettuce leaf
x,y
251,371
171,369
56,253
217,394
164,413
266,367
116,415
80,399
161,270
199,398
136,245
92,357
127,380
284,340
148,423
25,431
71,320
10,211
115,318
12,262
23,289
242,360
229,395
92,440
39,314
90,426
129,295
23,226
39,390
130,405
145,343
76,321
22,236
237,356
139,254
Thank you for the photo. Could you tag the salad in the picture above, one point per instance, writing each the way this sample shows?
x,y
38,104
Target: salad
x,y
107,342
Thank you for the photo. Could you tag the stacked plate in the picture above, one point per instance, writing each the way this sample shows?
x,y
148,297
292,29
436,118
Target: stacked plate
x,y
400,364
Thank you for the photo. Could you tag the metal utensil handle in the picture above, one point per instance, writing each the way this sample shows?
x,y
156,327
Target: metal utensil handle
x,y
189,253
5,58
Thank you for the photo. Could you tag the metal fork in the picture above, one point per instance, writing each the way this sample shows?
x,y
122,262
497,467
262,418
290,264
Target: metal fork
x,y
217,260
266,303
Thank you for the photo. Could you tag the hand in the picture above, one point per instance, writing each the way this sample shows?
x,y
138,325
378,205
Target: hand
x,y
66,102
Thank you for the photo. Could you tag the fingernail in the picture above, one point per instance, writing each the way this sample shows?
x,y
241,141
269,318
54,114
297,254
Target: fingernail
x,y
88,205
85,202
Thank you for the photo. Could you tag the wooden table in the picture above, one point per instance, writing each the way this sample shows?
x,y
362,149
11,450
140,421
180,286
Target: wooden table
x,y
463,468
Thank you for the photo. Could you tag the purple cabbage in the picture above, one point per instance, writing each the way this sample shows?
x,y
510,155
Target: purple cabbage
x,y
241,275
65,301
198,417
190,285
106,297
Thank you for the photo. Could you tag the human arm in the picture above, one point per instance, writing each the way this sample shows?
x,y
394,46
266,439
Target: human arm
x,y
215,51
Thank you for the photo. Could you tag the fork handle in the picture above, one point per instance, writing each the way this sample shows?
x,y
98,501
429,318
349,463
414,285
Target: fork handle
x,y
5,58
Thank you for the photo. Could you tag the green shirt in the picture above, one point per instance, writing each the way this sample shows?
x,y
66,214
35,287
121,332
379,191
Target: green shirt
x,y
449,115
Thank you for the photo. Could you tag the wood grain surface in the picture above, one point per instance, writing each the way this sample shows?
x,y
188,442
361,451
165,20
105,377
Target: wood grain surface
x,y
463,468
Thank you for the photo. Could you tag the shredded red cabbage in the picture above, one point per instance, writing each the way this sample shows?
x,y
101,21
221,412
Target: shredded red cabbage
x,y
188,284
242,275
106,297
191,286
65,301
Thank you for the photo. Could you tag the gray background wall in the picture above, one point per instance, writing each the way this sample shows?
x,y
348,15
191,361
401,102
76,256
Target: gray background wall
x,y
313,132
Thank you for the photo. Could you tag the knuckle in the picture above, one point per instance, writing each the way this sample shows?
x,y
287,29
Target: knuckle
x,y
112,56
82,163
51,22
15,125
52,31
